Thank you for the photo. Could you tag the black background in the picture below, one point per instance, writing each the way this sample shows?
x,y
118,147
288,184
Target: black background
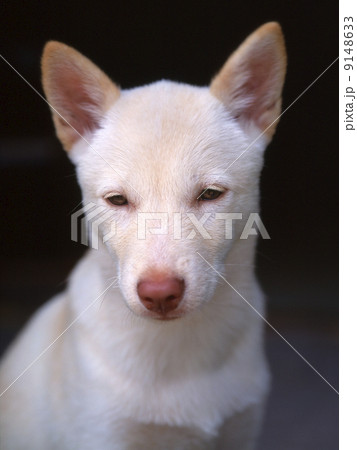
x,y
140,42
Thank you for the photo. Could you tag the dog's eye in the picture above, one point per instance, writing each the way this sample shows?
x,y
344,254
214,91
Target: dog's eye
x,y
117,200
210,194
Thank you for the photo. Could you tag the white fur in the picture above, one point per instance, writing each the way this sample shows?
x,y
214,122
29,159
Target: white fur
x,y
118,378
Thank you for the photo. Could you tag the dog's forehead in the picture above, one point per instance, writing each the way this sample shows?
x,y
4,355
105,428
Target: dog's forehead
x,y
163,112
166,140
169,124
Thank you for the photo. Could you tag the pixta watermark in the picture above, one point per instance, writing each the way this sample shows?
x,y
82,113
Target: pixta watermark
x,y
86,223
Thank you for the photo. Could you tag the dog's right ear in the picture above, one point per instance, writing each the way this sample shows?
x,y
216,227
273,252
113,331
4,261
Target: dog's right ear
x,y
251,81
78,92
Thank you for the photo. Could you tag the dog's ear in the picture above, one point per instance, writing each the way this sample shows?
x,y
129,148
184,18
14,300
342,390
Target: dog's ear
x,y
251,81
77,90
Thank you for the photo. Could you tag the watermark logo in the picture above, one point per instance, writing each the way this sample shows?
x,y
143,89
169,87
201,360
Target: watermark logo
x,y
86,222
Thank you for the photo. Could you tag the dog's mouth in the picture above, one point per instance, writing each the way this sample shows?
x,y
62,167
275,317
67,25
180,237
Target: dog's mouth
x,y
163,317
166,318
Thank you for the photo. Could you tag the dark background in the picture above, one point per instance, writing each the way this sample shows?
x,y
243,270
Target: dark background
x,y
140,42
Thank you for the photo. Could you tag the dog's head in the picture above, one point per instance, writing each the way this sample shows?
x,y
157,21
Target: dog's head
x,y
168,164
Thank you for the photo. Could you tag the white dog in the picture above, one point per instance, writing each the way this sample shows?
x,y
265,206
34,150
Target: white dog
x,y
155,342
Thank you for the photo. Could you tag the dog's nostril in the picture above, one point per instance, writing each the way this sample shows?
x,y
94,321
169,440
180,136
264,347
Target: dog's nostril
x,y
149,303
161,296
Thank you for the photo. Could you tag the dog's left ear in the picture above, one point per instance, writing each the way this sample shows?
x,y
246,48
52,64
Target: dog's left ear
x,y
251,81
77,90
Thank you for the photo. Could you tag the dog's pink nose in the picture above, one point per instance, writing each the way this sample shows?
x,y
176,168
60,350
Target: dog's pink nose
x,y
161,296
